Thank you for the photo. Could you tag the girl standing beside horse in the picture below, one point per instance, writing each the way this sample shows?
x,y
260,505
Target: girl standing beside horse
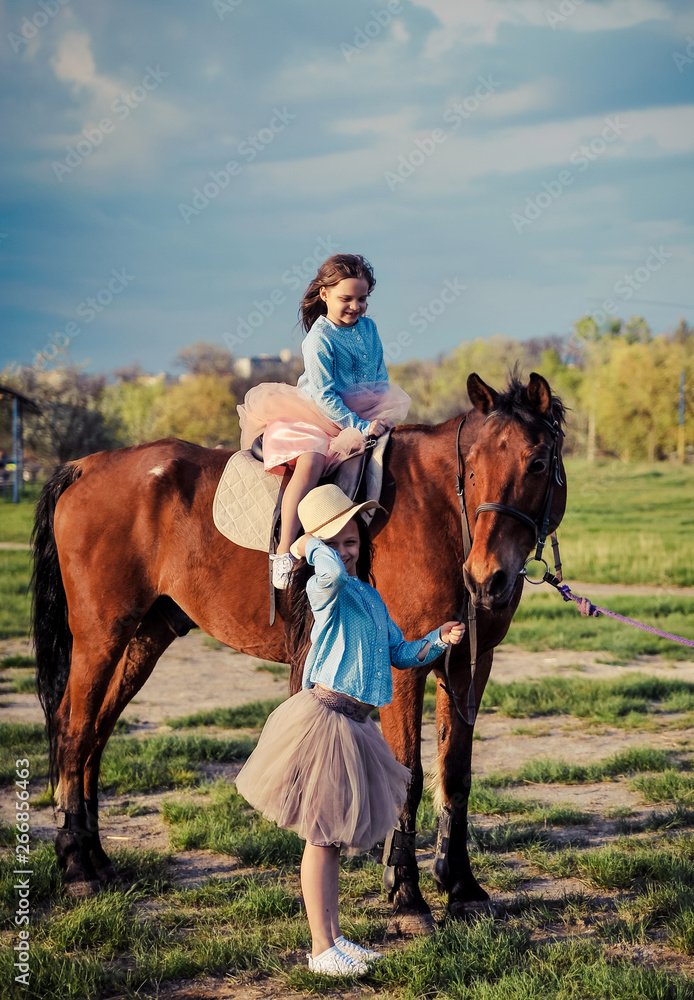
x,y
342,398
322,766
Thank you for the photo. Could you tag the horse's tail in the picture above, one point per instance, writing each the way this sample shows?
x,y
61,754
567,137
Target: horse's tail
x,y
52,636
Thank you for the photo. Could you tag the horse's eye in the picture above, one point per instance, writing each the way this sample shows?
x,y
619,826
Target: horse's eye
x,y
539,465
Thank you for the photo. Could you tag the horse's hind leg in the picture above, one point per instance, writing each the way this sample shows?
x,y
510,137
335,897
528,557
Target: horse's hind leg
x,y
154,634
91,670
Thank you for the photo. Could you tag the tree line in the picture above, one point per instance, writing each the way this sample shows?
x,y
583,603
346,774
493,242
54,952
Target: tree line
x,y
621,386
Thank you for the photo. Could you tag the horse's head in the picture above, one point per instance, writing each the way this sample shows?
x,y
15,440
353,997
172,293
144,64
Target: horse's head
x,y
513,481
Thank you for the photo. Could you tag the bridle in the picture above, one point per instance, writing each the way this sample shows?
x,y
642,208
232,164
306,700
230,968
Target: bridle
x,y
540,524
540,528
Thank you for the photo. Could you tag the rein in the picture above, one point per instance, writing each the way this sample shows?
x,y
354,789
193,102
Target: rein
x,y
540,527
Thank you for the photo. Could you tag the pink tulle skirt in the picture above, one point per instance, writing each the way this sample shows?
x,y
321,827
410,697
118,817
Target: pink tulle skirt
x,y
292,424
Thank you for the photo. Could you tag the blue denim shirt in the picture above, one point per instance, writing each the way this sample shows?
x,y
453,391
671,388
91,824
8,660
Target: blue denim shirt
x,y
354,640
337,358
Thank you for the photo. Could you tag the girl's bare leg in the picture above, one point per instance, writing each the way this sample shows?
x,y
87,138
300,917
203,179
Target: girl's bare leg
x,y
320,868
307,472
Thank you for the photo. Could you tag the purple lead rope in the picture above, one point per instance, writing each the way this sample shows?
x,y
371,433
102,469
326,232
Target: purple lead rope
x,y
592,610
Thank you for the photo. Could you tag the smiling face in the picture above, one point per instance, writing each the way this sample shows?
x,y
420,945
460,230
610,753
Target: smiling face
x,y
346,544
346,301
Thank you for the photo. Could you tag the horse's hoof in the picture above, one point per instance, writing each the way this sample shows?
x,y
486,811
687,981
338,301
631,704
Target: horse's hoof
x,y
109,876
411,925
471,909
83,888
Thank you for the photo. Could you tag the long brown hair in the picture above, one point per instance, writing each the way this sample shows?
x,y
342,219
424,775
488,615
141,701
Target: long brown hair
x,y
331,272
300,621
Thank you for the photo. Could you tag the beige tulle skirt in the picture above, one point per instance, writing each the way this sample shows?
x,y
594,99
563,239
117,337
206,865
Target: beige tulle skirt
x,y
330,778
292,424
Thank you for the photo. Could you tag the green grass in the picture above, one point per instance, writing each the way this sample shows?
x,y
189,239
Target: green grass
x,y
21,662
228,825
22,740
22,684
553,771
17,519
670,786
629,524
252,715
609,701
544,621
15,601
279,671
626,865
142,765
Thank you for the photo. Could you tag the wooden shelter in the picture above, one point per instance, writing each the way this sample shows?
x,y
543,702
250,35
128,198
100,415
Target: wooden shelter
x,y
20,404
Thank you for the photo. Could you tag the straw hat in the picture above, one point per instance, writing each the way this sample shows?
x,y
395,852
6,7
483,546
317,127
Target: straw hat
x,y
325,511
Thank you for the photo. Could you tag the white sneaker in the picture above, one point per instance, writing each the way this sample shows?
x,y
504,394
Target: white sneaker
x,y
356,950
282,567
334,962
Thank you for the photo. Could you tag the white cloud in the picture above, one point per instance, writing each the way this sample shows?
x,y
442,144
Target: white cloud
x,y
461,158
141,116
479,20
535,96
382,124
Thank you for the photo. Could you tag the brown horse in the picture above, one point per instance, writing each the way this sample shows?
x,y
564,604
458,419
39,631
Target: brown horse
x,y
127,557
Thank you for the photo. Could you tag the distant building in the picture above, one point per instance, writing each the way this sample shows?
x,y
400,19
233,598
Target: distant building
x,y
247,367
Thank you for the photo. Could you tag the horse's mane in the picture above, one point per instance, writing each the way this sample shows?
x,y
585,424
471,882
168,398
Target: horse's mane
x,y
513,404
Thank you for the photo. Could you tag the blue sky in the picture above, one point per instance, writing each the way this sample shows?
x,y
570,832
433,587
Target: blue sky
x,y
535,155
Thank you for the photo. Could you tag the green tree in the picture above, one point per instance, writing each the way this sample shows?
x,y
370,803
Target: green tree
x,y
70,424
201,409
130,407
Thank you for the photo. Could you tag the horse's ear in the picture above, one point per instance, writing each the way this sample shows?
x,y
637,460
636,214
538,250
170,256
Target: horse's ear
x,y
539,394
482,396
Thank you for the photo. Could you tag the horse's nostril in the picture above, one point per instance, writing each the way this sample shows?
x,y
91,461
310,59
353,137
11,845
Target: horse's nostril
x,y
498,582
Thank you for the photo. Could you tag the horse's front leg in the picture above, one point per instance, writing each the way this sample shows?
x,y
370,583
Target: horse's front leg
x,y
401,722
452,864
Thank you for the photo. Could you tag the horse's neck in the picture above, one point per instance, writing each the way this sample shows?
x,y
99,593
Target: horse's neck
x,y
424,524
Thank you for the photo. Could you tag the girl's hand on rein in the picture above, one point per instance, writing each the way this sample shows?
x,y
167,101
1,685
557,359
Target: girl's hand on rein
x,y
378,427
452,632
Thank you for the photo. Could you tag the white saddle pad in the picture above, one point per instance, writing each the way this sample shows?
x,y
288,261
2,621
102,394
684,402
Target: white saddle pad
x,y
245,501
246,497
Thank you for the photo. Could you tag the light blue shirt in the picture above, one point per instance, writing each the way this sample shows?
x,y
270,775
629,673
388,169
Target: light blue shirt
x,y
354,640
336,358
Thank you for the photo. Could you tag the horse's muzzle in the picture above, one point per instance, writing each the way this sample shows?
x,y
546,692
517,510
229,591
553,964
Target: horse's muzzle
x,y
494,592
